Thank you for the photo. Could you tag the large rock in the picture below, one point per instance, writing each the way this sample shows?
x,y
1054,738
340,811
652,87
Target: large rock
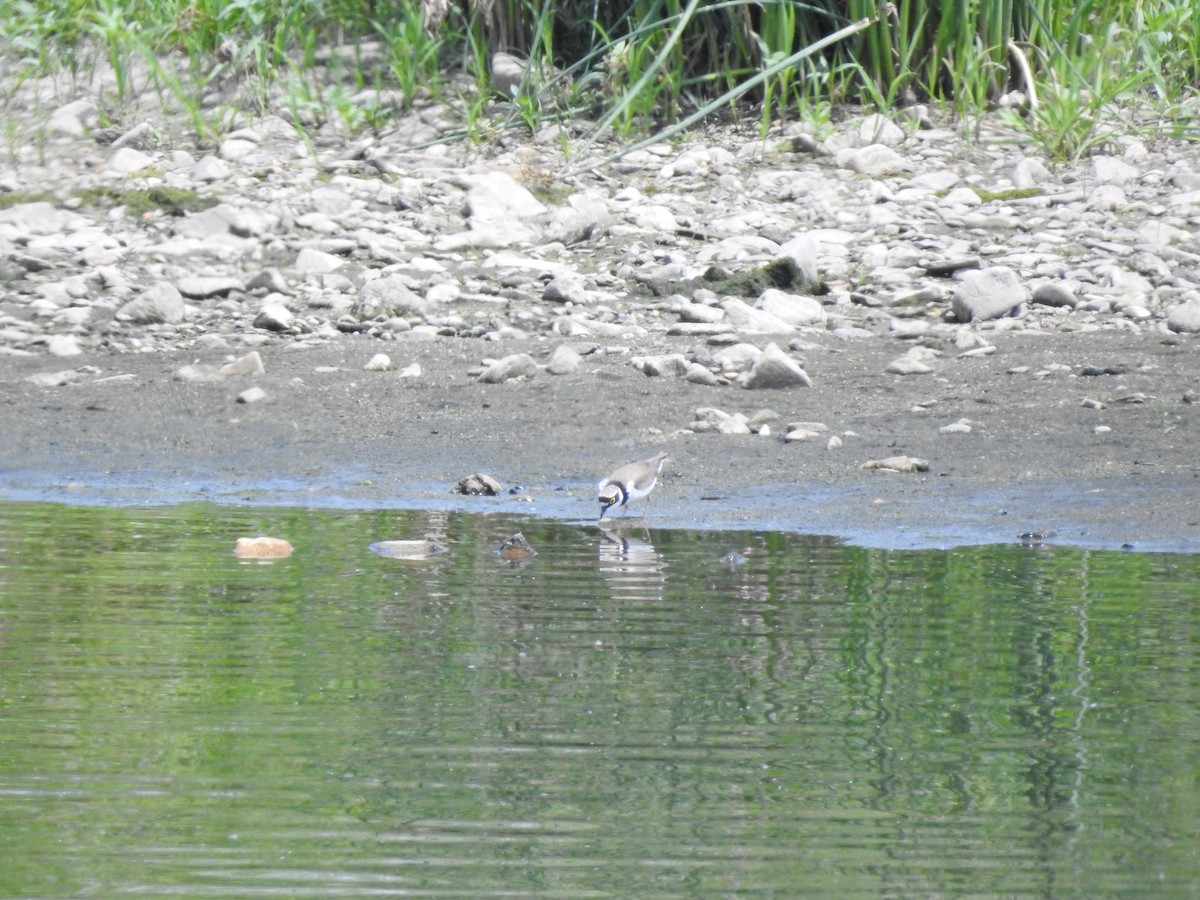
x,y
160,303
753,321
988,294
775,369
392,295
795,309
1185,318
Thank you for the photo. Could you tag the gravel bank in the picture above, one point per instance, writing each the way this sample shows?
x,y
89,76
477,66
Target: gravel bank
x,y
366,322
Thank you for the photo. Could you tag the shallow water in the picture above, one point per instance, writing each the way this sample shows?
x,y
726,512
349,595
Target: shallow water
x,y
643,716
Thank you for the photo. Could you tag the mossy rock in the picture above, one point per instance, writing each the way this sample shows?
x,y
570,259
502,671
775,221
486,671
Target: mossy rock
x,y
783,274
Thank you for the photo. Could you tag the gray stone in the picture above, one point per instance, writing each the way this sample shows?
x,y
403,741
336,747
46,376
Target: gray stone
x,y
667,364
738,357
914,362
208,169
564,360
698,374
1111,170
477,485
391,295
63,345
775,369
159,303
566,289
498,198
795,309
310,261
749,320
874,160
878,129
988,294
1055,293
25,219
1185,318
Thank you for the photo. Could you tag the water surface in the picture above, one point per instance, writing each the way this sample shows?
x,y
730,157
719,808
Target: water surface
x,y
636,715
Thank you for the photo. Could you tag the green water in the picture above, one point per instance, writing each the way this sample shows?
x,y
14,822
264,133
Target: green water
x,y
608,719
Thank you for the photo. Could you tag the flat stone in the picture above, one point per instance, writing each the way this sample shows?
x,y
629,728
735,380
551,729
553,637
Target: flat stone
x,y
749,320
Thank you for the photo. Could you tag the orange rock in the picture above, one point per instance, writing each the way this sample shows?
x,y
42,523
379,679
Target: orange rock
x,y
261,548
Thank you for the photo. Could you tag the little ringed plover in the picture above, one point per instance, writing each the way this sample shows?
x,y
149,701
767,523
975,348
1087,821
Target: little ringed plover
x,y
630,482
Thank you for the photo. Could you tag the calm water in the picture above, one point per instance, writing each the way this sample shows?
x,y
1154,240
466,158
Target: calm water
x,y
609,719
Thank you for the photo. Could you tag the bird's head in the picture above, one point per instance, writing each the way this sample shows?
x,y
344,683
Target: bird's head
x,y
610,496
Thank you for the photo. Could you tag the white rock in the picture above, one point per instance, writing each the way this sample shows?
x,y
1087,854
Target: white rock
x,y
775,369
878,129
391,295
412,370
804,249
380,362
564,360
208,169
252,395
159,303
914,362
698,374
1185,318
874,160
1111,170
274,317
38,218
735,424
988,294
1030,172
795,309
497,198
126,161
310,261
737,357
667,364
63,345
746,318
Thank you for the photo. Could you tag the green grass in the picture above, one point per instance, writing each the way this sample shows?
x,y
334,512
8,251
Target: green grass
x,y
1093,69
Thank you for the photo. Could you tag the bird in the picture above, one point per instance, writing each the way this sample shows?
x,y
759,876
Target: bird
x,y
630,482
